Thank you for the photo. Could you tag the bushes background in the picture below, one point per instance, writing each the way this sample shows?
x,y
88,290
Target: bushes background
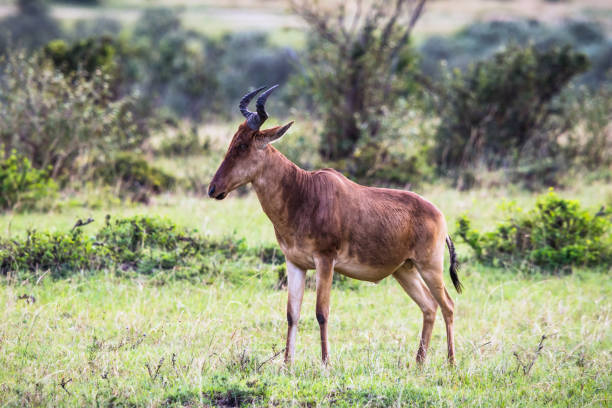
x,y
139,244
22,186
556,235
506,108
514,102
62,121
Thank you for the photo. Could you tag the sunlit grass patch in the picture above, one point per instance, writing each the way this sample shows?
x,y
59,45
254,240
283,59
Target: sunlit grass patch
x,y
110,339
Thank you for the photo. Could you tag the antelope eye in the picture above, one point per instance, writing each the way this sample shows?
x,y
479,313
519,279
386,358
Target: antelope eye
x,y
243,147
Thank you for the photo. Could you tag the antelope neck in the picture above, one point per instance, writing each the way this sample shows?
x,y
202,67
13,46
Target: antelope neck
x,y
278,178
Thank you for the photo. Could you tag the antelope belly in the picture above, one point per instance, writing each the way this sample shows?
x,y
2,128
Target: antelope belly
x,y
364,272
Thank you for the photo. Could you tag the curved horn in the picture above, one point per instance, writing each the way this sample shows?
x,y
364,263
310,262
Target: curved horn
x,y
244,102
261,101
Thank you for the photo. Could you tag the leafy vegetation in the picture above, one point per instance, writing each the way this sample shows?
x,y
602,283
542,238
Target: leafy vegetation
x,y
504,108
357,67
134,176
23,187
556,235
140,244
63,122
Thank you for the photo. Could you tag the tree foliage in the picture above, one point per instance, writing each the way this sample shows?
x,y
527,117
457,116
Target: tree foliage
x,y
64,122
357,59
29,28
505,107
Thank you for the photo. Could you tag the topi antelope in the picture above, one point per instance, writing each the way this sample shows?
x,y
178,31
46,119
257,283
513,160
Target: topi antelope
x,y
326,222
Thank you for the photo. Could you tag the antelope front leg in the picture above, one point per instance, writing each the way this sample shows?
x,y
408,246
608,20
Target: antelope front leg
x,y
296,278
325,273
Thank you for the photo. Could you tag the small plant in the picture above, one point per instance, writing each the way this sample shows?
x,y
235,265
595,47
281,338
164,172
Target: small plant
x,y
183,143
134,176
140,244
23,187
60,253
557,234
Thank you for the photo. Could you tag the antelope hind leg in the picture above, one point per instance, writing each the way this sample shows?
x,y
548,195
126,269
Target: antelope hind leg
x,y
410,280
432,274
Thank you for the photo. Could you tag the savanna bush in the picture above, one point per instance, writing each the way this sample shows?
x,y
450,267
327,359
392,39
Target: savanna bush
x,y
88,55
141,245
555,235
133,176
504,108
60,253
183,142
23,187
399,155
60,121
481,40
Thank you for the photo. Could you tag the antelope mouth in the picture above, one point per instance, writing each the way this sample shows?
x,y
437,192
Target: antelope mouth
x,y
220,196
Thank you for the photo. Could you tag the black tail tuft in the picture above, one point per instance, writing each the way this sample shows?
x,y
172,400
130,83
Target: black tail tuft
x,y
454,265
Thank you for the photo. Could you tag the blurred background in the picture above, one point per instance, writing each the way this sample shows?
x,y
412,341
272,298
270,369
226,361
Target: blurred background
x,y
133,99
121,283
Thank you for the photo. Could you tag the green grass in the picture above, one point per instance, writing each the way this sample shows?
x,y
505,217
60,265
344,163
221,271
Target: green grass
x,y
217,343
97,334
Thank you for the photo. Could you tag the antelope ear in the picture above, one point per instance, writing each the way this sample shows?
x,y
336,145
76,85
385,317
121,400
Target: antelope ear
x,y
272,134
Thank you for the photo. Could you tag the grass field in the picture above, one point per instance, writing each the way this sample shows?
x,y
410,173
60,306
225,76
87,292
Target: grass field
x,y
103,340
88,341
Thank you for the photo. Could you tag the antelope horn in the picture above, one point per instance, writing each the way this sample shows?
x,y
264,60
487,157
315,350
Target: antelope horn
x,y
252,118
261,101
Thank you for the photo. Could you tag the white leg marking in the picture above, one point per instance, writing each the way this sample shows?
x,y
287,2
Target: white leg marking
x,y
296,279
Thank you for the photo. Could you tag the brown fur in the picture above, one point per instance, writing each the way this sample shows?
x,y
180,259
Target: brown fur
x,y
326,222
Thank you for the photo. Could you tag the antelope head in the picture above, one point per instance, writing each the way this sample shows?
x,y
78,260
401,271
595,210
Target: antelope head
x,y
247,151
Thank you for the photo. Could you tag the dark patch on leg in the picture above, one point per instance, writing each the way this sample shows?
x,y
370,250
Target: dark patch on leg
x,y
289,319
321,318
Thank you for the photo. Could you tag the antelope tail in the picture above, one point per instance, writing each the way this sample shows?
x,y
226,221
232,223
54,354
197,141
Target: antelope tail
x,y
454,265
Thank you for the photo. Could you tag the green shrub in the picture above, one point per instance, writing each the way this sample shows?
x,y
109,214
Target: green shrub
x,y
62,254
355,74
555,235
183,143
65,122
504,108
125,236
135,177
23,187
137,245
88,55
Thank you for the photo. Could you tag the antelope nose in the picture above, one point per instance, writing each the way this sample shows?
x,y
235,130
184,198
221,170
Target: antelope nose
x,y
211,191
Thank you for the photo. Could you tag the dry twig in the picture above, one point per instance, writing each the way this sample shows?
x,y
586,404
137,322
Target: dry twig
x,y
527,366
151,374
64,383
